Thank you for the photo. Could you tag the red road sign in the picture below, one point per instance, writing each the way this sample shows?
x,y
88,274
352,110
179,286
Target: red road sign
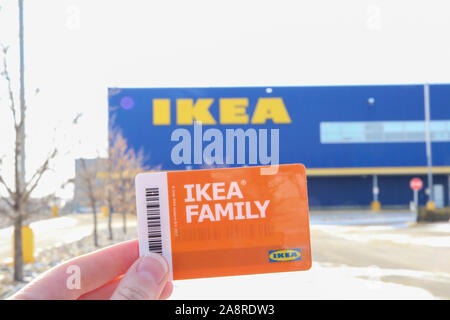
x,y
416,184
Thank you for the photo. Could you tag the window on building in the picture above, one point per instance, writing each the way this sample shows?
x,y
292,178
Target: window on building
x,y
383,131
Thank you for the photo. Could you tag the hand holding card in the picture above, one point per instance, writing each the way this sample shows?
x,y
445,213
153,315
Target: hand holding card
x,y
223,222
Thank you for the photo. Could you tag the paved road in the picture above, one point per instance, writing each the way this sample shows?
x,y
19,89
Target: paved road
x,y
356,255
394,217
417,256
387,258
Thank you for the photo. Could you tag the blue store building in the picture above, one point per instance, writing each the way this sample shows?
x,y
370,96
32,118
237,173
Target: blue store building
x,y
360,144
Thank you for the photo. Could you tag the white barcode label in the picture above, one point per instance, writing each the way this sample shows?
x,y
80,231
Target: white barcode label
x,y
153,215
153,220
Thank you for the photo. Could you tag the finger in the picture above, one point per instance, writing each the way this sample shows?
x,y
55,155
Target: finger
x,y
93,270
145,279
167,291
104,292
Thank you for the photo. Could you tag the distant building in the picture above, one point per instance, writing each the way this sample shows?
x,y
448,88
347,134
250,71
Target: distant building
x,y
94,166
360,144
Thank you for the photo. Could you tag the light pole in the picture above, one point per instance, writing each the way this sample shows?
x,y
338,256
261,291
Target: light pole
x,y
430,203
22,101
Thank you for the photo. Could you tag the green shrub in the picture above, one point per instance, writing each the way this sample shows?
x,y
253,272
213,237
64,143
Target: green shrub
x,y
441,214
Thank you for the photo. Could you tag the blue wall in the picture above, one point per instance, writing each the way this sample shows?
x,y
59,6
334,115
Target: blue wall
x,y
300,140
357,191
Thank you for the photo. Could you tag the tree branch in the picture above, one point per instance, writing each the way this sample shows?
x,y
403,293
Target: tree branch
x,y
3,183
5,74
7,201
34,181
40,205
4,199
7,212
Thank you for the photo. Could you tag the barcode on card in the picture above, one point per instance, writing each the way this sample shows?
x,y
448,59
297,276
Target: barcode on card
x,y
153,220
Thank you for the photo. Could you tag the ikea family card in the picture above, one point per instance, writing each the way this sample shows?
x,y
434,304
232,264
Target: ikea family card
x,y
224,222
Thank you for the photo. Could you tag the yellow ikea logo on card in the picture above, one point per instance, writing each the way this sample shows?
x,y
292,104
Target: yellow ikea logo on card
x,y
285,255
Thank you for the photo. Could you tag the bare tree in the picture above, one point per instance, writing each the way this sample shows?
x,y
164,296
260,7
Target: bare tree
x,y
109,190
91,187
18,196
124,165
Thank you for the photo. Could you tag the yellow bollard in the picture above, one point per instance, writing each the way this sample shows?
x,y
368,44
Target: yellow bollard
x,y
27,245
105,211
375,205
54,211
430,205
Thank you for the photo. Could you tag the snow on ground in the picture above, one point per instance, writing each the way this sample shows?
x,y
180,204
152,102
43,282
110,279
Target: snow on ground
x,y
439,227
43,226
384,233
323,281
362,218
50,225
55,232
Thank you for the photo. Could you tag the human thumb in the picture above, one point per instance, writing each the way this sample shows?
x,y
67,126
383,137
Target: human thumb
x,y
144,280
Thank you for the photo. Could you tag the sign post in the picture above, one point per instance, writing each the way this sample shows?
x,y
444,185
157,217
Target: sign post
x,y
416,185
375,205
430,203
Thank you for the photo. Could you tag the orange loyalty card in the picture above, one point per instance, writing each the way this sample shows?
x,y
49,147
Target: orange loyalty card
x,y
224,222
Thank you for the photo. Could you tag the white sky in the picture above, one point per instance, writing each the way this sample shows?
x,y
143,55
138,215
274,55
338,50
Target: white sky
x,y
75,49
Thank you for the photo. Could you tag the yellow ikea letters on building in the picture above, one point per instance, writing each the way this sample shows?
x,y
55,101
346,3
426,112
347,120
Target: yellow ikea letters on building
x,y
161,112
231,111
187,111
270,108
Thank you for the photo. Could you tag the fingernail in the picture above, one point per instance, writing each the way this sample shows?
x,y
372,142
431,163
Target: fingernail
x,y
153,266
